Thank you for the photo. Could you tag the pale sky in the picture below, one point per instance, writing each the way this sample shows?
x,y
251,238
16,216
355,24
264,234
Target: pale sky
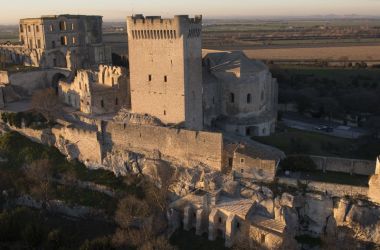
x,y
12,10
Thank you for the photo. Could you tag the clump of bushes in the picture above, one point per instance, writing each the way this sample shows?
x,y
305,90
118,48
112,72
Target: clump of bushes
x,y
298,163
28,119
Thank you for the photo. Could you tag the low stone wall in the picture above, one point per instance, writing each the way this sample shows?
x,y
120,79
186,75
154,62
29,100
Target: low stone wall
x,y
351,166
333,189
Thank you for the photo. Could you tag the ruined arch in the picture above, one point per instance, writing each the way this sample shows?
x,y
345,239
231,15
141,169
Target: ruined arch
x,y
55,81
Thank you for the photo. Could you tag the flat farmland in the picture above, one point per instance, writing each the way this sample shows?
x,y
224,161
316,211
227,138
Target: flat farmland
x,y
335,53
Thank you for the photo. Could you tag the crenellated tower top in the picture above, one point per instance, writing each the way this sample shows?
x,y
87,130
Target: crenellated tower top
x,y
156,27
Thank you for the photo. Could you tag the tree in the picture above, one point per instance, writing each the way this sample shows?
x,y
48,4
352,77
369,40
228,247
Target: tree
x,y
39,173
159,243
47,103
157,187
131,209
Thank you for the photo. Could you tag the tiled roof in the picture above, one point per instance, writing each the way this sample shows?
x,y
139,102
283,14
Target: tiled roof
x,y
267,224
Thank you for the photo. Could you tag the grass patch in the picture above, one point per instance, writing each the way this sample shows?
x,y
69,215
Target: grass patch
x,y
20,151
189,240
84,197
295,141
24,228
308,240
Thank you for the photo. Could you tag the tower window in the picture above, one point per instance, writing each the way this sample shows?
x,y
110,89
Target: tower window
x,y
165,78
102,103
29,30
51,27
21,28
150,78
164,112
53,44
117,101
38,43
74,40
64,40
62,25
232,97
37,28
249,98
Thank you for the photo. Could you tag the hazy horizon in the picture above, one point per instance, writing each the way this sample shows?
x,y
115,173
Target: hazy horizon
x,y
117,10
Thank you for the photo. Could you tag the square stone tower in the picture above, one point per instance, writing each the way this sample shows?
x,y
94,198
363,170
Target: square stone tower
x,y
165,58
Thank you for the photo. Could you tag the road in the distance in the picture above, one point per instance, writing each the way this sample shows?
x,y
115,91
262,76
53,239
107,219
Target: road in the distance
x,y
294,120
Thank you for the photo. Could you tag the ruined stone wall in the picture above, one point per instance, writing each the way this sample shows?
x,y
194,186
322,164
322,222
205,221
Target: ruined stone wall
x,y
165,67
77,93
29,81
264,238
97,92
258,169
189,147
343,165
84,144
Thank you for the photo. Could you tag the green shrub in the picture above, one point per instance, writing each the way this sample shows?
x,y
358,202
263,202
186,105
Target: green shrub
x,y
30,119
33,234
103,243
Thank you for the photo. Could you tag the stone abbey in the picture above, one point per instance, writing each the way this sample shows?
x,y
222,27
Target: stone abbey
x,y
175,104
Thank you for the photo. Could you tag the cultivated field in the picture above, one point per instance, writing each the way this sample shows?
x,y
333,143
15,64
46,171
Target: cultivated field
x,y
349,53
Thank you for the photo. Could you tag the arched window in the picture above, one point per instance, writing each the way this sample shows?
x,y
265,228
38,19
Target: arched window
x,y
64,40
102,103
62,25
249,98
232,97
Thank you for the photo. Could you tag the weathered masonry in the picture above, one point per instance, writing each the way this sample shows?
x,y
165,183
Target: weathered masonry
x,y
165,61
65,41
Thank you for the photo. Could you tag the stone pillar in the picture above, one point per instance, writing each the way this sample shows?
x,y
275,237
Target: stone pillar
x,y
212,221
230,230
187,218
199,229
374,188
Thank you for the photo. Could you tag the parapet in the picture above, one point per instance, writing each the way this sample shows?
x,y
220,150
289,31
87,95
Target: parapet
x,y
156,27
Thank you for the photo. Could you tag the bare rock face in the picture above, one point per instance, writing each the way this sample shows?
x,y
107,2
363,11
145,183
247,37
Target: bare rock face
x,y
247,193
317,210
269,206
67,148
123,162
365,221
340,211
232,188
287,200
267,192
159,171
